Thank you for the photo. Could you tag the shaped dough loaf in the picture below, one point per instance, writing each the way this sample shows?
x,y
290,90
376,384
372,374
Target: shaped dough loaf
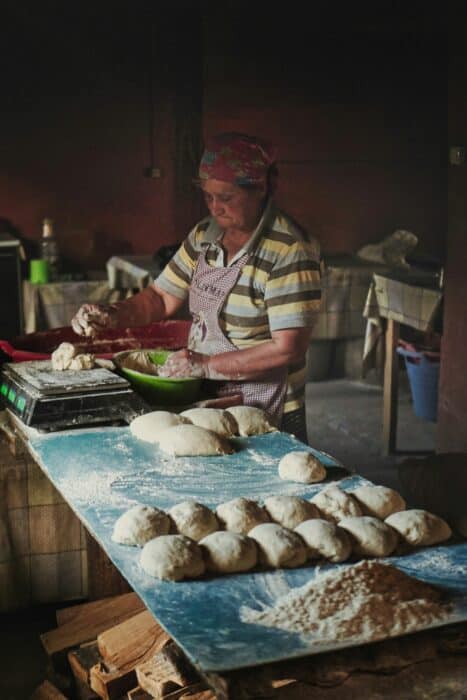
x,y
251,420
215,419
335,504
149,426
378,501
325,539
193,520
139,524
193,441
370,537
420,528
229,552
172,557
301,466
241,515
290,511
278,546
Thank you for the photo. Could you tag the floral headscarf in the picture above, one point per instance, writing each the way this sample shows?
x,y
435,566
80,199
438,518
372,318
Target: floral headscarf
x,y
237,158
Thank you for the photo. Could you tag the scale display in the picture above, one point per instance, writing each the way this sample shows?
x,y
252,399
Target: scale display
x,y
51,400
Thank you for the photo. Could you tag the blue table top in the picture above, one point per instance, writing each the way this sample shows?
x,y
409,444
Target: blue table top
x,y
101,472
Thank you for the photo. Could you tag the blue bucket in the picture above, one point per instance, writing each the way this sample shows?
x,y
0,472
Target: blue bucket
x,y
423,376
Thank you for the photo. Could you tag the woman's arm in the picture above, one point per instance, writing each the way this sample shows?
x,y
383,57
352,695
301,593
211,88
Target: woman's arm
x,y
285,348
150,305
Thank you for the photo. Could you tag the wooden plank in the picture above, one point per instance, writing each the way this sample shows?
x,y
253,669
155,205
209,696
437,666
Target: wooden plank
x,y
72,612
86,627
390,393
81,661
47,691
138,694
133,641
168,675
112,683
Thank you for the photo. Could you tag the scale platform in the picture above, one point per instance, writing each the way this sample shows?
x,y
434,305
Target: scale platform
x,y
48,399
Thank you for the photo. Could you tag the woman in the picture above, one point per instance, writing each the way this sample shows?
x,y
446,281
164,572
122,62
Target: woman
x,y
253,284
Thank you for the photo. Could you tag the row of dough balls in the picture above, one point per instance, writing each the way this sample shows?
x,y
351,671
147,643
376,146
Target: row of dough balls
x,y
298,534
205,431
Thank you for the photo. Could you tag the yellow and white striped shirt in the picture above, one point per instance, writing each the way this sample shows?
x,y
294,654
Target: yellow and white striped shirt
x,y
278,288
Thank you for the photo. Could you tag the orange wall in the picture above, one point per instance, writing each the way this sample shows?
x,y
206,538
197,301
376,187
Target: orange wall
x,y
75,126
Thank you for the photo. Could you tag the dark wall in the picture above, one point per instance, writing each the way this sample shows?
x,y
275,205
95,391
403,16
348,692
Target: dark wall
x,y
355,99
452,410
92,95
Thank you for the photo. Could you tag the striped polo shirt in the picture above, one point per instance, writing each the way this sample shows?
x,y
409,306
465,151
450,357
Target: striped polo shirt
x,y
278,288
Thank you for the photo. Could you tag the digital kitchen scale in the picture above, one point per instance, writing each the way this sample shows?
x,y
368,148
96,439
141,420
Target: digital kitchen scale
x,y
48,399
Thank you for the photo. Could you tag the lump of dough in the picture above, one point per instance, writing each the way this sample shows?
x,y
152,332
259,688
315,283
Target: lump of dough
x,y
325,539
228,552
278,546
378,501
61,357
83,361
140,524
370,537
193,519
193,441
335,504
289,511
172,557
241,515
251,420
149,426
215,419
138,361
419,528
301,466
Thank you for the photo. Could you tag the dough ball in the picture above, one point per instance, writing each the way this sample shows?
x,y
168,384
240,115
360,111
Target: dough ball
x,y
193,441
419,528
140,524
289,511
370,537
378,501
215,419
172,557
61,357
278,546
251,420
229,552
325,539
138,361
241,515
193,519
149,426
335,504
83,361
301,466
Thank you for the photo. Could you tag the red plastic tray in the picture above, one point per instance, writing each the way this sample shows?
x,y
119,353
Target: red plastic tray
x,y
170,335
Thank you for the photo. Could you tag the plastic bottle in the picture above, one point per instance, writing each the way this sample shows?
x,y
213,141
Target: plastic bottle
x,y
49,249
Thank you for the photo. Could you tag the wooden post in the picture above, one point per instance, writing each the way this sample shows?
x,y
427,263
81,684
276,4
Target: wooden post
x,y
390,393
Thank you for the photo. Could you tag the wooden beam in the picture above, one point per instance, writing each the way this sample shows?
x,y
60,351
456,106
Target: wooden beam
x,y
47,691
87,625
390,392
96,607
132,642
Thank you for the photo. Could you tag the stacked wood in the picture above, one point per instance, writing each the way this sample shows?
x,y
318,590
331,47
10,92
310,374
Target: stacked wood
x,y
116,650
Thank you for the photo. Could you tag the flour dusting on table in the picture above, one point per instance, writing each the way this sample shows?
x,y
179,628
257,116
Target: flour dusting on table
x,y
366,601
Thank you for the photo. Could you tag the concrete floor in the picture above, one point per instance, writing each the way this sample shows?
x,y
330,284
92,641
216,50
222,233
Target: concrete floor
x,y
344,419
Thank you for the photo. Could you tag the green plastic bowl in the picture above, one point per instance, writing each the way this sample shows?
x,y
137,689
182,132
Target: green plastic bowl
x,y
160,391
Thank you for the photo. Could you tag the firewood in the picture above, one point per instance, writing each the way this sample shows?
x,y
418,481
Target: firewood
x,y
111,683
81,661
90,622
47,691
132,642
72,612
167,675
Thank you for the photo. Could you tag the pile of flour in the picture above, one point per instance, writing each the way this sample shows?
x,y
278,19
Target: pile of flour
x,y
366,601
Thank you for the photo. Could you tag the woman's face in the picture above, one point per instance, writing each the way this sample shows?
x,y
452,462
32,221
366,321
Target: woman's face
x,y
233,207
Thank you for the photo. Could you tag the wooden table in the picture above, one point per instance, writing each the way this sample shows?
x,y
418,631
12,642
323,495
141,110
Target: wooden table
x,y
409,299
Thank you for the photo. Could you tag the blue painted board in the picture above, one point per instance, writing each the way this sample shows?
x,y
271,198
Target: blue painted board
x,y
102,472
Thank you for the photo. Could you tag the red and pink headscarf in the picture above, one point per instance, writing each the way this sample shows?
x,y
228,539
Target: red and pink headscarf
x,y
237,158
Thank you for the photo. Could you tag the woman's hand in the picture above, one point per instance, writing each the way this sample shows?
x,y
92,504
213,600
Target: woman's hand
x,y
92,318
185,363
